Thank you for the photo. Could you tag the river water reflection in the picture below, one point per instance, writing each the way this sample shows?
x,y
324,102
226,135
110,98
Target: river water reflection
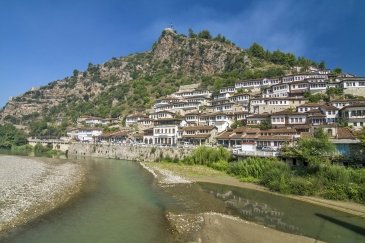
x,y
122,203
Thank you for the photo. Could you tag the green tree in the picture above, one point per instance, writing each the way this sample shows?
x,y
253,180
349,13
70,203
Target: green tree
x,y
337,71
76,73
236,124
191,33
315,150
10,136
205,34
322,65
265,124
257,51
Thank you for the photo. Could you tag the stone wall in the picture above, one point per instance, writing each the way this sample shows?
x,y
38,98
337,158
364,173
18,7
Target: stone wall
x,y
126,152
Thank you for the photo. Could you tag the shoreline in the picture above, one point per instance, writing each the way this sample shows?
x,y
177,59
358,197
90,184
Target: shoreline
x,y
212,226
196,174
32,187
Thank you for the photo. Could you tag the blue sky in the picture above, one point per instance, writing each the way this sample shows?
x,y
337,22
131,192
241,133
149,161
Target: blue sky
x,y
42,41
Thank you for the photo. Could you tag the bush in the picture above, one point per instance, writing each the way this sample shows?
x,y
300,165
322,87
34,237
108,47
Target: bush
x,y
220,165
301,186
40,149
24,149
206,156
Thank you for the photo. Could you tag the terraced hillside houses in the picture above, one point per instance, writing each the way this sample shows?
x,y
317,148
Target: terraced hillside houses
x,y
267,112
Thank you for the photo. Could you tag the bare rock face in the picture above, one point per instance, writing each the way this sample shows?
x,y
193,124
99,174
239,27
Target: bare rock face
x,y
195,55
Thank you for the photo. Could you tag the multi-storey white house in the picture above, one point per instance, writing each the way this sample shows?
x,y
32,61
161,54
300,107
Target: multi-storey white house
x,y
249,84
192,118
84,134
161,114
225,90
133,119
221,120
340,103
354,115
287,118
278,91
317,85
257,119
192,93
199,134
270,105
298,88
240,98
330,112
165,131
271,81
303,76
353,86
308,106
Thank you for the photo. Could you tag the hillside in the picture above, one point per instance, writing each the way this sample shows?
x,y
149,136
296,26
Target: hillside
x,y
122,85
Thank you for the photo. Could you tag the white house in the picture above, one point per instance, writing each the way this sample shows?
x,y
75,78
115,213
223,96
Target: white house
x,y
240,98
161,114
219,119
331,113
353,86
248,84
354,115
287,118
84,134
133,119
165,131
227,90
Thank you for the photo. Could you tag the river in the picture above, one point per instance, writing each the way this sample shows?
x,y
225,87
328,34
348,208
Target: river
x,y
122,203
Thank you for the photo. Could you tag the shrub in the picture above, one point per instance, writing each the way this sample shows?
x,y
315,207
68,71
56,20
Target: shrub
x,y
301,186
221,165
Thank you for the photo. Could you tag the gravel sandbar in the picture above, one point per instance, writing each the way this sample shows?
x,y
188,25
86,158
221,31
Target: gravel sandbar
x,y
30,187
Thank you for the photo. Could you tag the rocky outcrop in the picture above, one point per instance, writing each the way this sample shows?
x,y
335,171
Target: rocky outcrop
x,y
193,55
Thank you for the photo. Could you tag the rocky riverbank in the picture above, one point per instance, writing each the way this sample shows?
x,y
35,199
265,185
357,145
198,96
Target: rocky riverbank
x,y
31,187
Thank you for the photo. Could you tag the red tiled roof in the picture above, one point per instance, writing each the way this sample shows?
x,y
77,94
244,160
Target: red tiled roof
x,y
275,138
196,136
194,128
224,135
344,133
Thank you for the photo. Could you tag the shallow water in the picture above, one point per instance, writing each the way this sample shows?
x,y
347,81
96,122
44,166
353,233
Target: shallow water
x,y
122,203
119,204
290,215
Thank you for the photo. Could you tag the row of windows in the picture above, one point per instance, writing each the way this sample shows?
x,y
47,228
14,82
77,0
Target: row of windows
x,y
165,131
197,132
296,120
280,87
279,119
300,86
278,102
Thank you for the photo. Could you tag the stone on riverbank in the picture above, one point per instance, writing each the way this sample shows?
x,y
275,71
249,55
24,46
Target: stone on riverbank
x,y
30,188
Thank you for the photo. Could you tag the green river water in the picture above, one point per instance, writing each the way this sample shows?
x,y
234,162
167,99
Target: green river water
x,y
122,203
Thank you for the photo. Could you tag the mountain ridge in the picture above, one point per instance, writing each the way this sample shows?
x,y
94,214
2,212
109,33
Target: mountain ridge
x,y
122,85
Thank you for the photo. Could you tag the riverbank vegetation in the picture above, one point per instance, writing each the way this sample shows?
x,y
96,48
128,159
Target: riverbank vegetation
x,y
10,137
321,177
14,141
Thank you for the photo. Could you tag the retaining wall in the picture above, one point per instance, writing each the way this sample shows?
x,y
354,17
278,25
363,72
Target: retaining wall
x,y
126,152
